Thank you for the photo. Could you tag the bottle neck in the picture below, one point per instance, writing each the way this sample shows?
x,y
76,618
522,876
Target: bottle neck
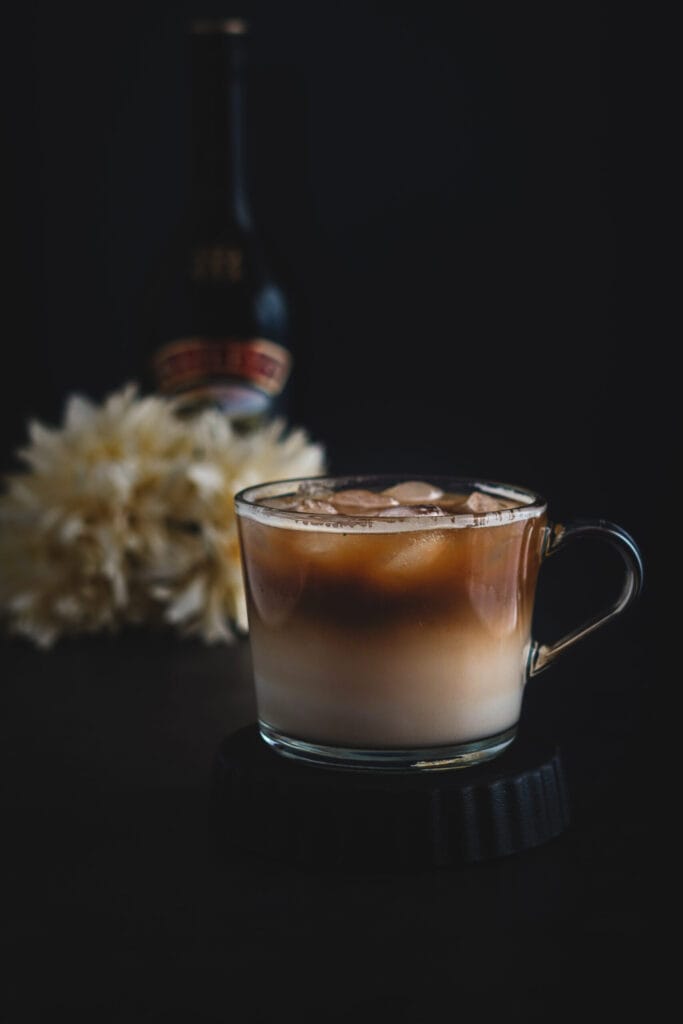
x,y
218,166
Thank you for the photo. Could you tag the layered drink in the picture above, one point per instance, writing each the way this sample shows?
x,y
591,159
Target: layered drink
x,y
390,619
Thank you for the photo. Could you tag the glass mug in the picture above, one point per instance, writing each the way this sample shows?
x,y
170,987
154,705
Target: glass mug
x,y
390,620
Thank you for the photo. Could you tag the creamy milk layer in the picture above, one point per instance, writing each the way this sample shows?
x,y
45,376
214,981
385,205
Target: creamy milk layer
x,y
428,689
391,638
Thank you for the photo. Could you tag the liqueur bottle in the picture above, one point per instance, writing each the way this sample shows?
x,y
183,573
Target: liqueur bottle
x,y
216,321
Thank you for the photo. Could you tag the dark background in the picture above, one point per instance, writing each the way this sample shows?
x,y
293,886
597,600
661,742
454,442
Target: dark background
x,y
467,203
454,196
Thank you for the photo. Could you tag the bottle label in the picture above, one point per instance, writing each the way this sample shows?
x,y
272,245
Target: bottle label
x,y
247,373
217,263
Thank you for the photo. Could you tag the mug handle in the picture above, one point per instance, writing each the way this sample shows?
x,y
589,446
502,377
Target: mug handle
x,y
542,655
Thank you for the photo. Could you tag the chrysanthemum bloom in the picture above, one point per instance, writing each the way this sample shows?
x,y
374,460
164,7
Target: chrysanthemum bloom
x,y
125,515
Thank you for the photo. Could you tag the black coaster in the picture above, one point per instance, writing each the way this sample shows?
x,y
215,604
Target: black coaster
x,y
265,803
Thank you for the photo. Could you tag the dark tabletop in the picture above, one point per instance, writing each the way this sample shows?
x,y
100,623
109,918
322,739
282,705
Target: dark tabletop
x,y
117,907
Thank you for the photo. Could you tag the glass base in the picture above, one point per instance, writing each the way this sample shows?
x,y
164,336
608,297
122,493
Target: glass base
x,y
444,758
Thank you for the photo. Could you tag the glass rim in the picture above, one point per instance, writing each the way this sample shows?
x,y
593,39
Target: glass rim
x,y
247,503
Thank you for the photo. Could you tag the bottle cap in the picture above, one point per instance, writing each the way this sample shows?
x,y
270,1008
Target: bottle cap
x,y
276,807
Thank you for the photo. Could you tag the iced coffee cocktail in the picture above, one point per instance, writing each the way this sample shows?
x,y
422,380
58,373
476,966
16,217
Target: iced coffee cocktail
x,y
390,620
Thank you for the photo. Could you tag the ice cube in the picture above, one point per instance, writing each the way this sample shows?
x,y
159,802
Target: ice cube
x,y
362,503
286,502
478,501
313,489
414,556
452,502
414,492
315,505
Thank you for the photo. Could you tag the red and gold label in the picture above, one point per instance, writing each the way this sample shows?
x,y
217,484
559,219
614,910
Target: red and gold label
x,y
193,364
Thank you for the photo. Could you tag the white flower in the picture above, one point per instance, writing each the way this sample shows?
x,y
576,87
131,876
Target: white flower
x,y
125,514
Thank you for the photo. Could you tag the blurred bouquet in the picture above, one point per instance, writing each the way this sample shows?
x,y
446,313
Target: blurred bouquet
x,y
125,515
